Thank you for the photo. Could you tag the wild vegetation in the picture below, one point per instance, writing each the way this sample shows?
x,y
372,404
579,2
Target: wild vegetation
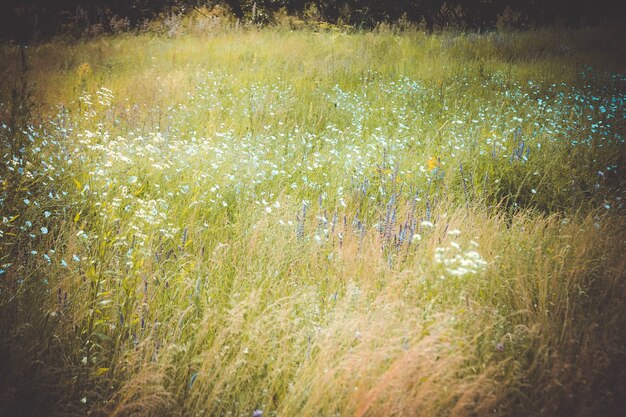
x,y
27,20
233,221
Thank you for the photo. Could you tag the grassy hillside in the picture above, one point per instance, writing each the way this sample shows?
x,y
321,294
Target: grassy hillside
x,y
314,223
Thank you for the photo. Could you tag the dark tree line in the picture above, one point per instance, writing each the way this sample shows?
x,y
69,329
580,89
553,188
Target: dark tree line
x,y
32,19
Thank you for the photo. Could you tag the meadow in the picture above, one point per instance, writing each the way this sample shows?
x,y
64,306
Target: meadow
x,y
314,222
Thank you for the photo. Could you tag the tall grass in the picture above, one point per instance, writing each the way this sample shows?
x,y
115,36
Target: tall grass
x,y
313,223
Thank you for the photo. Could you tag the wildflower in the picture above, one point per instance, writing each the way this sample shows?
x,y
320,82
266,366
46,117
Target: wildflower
x,y
83,70
432,163
44,230
257,413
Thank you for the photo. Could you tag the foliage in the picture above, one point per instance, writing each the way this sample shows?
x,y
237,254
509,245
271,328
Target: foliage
x,y
28,20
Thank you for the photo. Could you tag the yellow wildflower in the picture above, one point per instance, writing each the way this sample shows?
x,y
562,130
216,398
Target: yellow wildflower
x,y
83,69
432,163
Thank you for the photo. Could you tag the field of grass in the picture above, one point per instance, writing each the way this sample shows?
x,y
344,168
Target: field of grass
x,y
314,223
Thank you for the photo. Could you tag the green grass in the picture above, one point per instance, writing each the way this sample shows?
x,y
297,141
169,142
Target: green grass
x,y
314,223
